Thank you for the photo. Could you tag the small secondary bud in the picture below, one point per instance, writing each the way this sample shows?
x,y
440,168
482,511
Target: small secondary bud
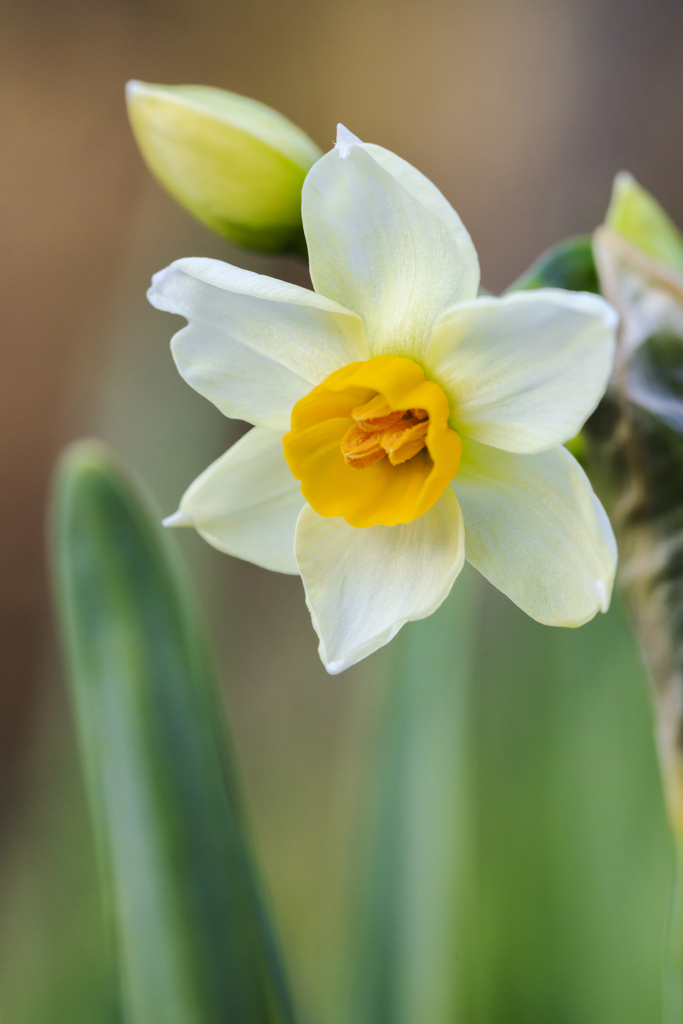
x,y
235,164
637,216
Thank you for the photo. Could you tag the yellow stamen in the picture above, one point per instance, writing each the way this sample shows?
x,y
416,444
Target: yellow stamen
x,y
406,439
360,448
380,431
376,414
406,451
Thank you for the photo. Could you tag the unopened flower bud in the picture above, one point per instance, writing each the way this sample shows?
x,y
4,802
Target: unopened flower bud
x,y
639,219
235,164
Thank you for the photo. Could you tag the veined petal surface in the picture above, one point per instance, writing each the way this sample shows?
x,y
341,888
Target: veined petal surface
x,y
523,372
536,530
426,192
247,503
362,585
380,251
253,345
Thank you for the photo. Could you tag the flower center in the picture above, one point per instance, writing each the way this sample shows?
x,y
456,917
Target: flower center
x,y
381,416
380,431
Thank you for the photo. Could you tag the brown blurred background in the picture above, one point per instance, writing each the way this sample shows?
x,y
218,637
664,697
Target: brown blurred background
x,y
521,112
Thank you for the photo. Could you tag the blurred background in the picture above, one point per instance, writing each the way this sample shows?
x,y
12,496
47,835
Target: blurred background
x,y
521,113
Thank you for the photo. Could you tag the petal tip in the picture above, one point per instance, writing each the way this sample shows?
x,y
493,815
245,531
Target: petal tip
x,y
610,316
179,518
335,667
602,594
623,179
346,140
155,289
133,87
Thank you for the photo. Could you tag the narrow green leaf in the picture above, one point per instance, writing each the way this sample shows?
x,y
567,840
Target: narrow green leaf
x,y
410,938
193,939
568,264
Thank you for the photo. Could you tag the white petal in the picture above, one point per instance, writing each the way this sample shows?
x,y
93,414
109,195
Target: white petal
x,y
426,192
363,585
535,529
345,140
382,244
247,503
525,371
254,346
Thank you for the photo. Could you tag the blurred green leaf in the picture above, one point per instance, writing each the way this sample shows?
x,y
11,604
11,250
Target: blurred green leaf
x,y
517,800
193,939
571,854
410,939
568,264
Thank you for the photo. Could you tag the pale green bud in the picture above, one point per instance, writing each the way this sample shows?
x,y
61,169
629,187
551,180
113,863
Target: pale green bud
x,y
234,163
637,216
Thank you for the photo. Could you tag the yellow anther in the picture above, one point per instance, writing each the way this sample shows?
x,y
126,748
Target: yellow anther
x,y
376,414
380,431
406,451
406,438
360,448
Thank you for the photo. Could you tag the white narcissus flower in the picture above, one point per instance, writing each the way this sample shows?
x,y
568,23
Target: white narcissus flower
x,y
401,424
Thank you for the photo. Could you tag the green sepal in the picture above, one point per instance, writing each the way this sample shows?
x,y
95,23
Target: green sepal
x,y
193,939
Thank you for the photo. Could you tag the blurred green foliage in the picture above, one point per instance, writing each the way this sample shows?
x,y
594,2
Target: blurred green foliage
x,y
520,861
519,873
193,942
568,264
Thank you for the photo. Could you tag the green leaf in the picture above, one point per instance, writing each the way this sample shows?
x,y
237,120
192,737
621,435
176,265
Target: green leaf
x,y
193,940
409,938
637,216
568,264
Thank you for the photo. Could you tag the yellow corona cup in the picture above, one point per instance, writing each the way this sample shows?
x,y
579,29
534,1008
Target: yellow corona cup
x,y
235,164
